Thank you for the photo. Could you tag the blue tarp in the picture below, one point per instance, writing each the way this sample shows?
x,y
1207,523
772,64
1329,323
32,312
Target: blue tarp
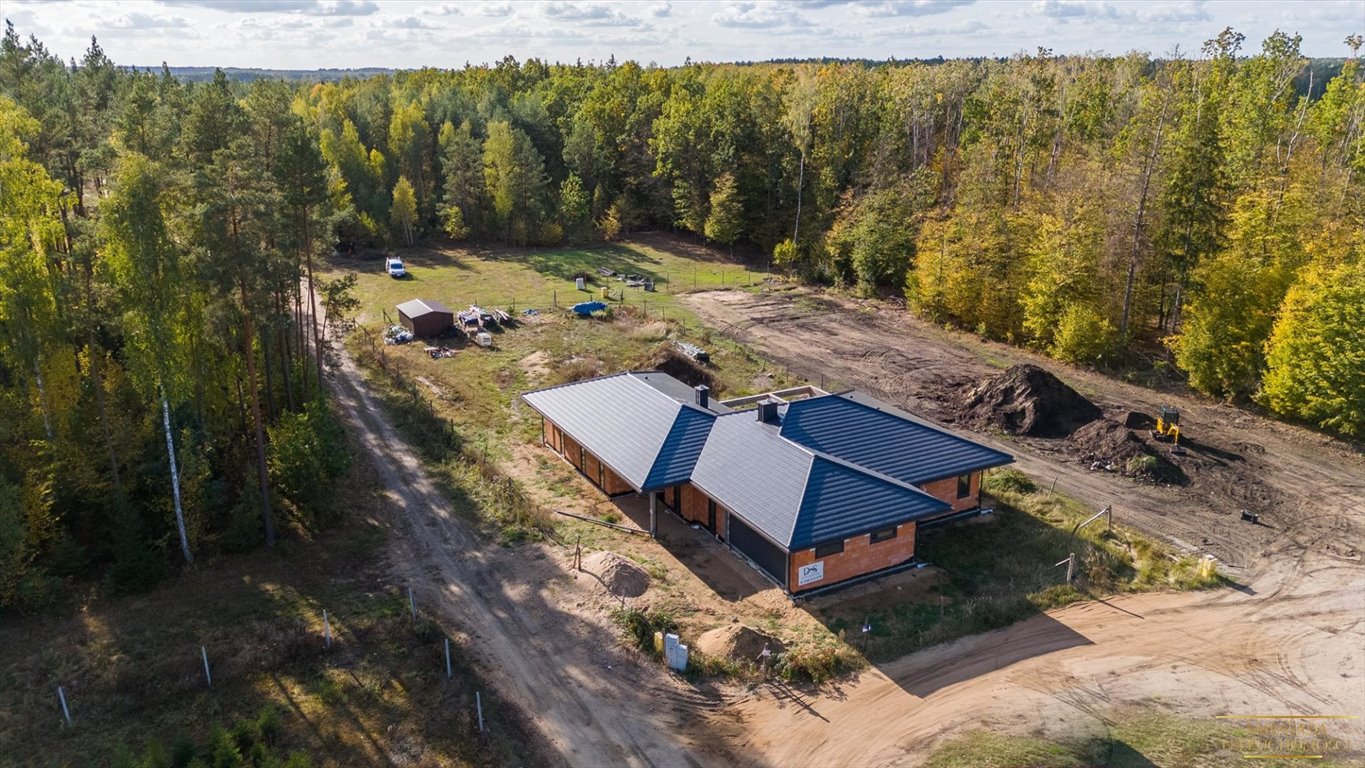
x,y
588,307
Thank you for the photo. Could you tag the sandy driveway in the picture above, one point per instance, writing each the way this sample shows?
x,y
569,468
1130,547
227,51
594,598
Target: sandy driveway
x,y
595,704
1289,639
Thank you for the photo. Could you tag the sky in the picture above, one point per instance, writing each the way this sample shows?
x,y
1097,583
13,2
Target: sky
x,y
400,34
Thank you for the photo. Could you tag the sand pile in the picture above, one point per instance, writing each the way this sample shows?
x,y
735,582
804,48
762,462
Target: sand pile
x,y
737,642
1027,400
1108,445
621,577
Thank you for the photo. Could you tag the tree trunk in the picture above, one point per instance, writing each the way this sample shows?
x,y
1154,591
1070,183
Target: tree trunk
x,y
800,186
312,300
255,397
42,401
269,377
175,477
1139,220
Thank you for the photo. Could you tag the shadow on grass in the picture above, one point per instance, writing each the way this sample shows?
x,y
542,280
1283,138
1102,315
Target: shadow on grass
x,y
566,263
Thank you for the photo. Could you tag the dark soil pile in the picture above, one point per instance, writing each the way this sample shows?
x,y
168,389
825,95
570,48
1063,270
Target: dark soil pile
x,y
1108,445
737,642
668,359
1027,400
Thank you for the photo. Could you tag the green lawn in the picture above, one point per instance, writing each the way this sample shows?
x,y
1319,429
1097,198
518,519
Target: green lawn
x,y
520,277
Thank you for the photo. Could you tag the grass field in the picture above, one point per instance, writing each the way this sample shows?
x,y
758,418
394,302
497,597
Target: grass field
x,y
132,671
463,411
982,591
1131,737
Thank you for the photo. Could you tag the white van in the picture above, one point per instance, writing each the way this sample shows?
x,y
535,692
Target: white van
x,y
394,266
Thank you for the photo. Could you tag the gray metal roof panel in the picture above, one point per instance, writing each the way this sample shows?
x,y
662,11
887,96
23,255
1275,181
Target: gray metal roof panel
x,y
884,440
749,469
419,307
628,424
677,389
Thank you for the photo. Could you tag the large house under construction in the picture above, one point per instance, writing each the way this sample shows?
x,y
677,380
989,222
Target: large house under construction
x,y
813,488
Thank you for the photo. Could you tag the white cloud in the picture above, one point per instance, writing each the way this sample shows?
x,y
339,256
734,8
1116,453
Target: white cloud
x,y
660,10
909,7
139,20
246,6
759,15
444,9
349,7
591,14
312,7
495,9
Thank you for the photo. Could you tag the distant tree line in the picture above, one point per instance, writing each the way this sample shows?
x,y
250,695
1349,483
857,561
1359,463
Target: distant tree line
x,y
159,356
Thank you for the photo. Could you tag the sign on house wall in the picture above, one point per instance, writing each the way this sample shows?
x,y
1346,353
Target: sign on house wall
x,y
809,574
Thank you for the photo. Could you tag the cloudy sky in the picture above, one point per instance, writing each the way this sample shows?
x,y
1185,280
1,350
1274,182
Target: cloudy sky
x,y
309,34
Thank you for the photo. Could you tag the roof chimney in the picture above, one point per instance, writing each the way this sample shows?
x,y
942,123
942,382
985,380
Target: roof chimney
x,y
703,395
767,411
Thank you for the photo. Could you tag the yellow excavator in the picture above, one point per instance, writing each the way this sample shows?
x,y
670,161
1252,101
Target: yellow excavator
x,y
1168,428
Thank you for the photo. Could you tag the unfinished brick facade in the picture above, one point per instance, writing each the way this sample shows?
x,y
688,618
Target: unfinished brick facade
x,y
859,556
947,490
592,468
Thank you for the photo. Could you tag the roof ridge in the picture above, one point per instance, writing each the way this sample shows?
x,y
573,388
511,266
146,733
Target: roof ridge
x,y
552,387
922,421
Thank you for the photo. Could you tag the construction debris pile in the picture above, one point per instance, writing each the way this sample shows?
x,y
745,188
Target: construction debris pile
x,y
1027,400
675,362
1110,446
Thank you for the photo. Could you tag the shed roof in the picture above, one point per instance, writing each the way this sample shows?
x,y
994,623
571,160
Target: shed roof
x,y
419,307
796,496
649,438
872,434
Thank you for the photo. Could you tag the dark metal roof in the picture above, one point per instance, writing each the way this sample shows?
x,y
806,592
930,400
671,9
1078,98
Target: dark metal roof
x,y
676,389
419,307
647,437
864,431
831,467
795,496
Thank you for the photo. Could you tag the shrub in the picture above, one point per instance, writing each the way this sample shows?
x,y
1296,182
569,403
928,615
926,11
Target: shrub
x,y
1010,480
640,626
307,451
1142,464
1083,337
815,663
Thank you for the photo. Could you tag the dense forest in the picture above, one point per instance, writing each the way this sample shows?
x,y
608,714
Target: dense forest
x,y
159,341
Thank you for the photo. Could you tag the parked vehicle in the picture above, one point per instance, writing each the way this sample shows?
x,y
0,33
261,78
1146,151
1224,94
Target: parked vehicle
x,y
394,266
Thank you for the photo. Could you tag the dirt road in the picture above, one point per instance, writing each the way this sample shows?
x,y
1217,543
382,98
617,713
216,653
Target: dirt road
x,y
594,703
1290,639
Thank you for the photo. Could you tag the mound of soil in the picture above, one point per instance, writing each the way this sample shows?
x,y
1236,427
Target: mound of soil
x,y
668,359
737,642
1109,445
621,577
1027,400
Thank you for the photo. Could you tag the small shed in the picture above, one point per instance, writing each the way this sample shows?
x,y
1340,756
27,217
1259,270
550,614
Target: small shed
x,y
425,318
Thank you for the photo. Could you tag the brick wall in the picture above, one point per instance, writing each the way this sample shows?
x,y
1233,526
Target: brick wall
x,y
695,509
591,467
946,489
860,556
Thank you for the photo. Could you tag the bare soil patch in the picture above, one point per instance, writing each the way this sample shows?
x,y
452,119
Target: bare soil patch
x,y
1285,639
